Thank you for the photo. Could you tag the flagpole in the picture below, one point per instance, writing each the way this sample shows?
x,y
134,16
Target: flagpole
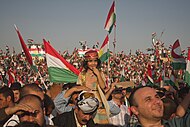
x,y
114,42
109,81
42,80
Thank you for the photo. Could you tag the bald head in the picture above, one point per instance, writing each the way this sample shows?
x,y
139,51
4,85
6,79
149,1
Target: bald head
x,y
35,103
32,89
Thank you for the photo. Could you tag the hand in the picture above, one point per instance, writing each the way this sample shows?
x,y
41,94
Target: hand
x,y
96,71
19,108
112,86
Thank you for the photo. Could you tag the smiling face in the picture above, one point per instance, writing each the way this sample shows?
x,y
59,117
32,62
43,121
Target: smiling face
x,y
92,63
16,95
149,105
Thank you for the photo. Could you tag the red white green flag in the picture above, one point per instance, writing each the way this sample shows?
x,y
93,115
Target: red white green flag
x,y
111,18
104,52
59,69
150,78
178,61
187,72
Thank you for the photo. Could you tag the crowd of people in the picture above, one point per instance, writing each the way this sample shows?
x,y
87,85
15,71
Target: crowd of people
x,y
95,100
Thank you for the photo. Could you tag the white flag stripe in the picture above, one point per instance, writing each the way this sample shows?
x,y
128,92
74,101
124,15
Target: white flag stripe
x,y
54,62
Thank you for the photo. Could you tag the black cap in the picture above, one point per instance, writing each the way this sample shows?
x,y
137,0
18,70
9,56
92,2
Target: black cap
x,y
117,90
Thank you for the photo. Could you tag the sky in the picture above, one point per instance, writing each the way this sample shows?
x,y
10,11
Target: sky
x,y
66,22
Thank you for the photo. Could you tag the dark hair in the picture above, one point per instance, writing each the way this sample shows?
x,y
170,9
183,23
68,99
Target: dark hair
x,y
48,102
85,65
6,91
183,92
15,86
169,107
68,85
132,101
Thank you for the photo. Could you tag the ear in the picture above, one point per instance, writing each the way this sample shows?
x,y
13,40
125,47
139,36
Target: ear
x,y
9,99
134,110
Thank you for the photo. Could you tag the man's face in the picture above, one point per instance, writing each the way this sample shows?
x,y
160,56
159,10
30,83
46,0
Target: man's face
x,y
37,117
118,95
82,118
3,101
16,95
149,105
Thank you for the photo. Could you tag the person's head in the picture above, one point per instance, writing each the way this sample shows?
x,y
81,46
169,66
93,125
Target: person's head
x,y
6,97
86,108
146,104
34,102
68,86
15,87
32,88
116,79
182,93
117,94
91,60
128,91
170,108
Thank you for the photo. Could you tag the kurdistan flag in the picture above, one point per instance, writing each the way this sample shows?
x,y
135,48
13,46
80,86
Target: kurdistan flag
x,y
111,18
149,72
59,69
104,52
187,72
178,61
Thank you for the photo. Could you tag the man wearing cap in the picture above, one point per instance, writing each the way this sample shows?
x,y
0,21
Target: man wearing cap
x,y
117,99
82,115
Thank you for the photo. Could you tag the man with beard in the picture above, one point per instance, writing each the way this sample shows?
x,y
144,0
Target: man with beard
x,y
148,107
82,115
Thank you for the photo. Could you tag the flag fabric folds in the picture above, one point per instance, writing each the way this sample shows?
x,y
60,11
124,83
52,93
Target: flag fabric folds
x,y
59,69
104,51
178,61
111,18
24,47
187,72
26,51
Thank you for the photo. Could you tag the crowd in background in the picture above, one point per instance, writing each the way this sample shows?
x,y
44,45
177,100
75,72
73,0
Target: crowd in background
x,y
120,67
128,67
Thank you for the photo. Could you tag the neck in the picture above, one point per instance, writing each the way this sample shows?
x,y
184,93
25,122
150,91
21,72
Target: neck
x,y
11,104
150,123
